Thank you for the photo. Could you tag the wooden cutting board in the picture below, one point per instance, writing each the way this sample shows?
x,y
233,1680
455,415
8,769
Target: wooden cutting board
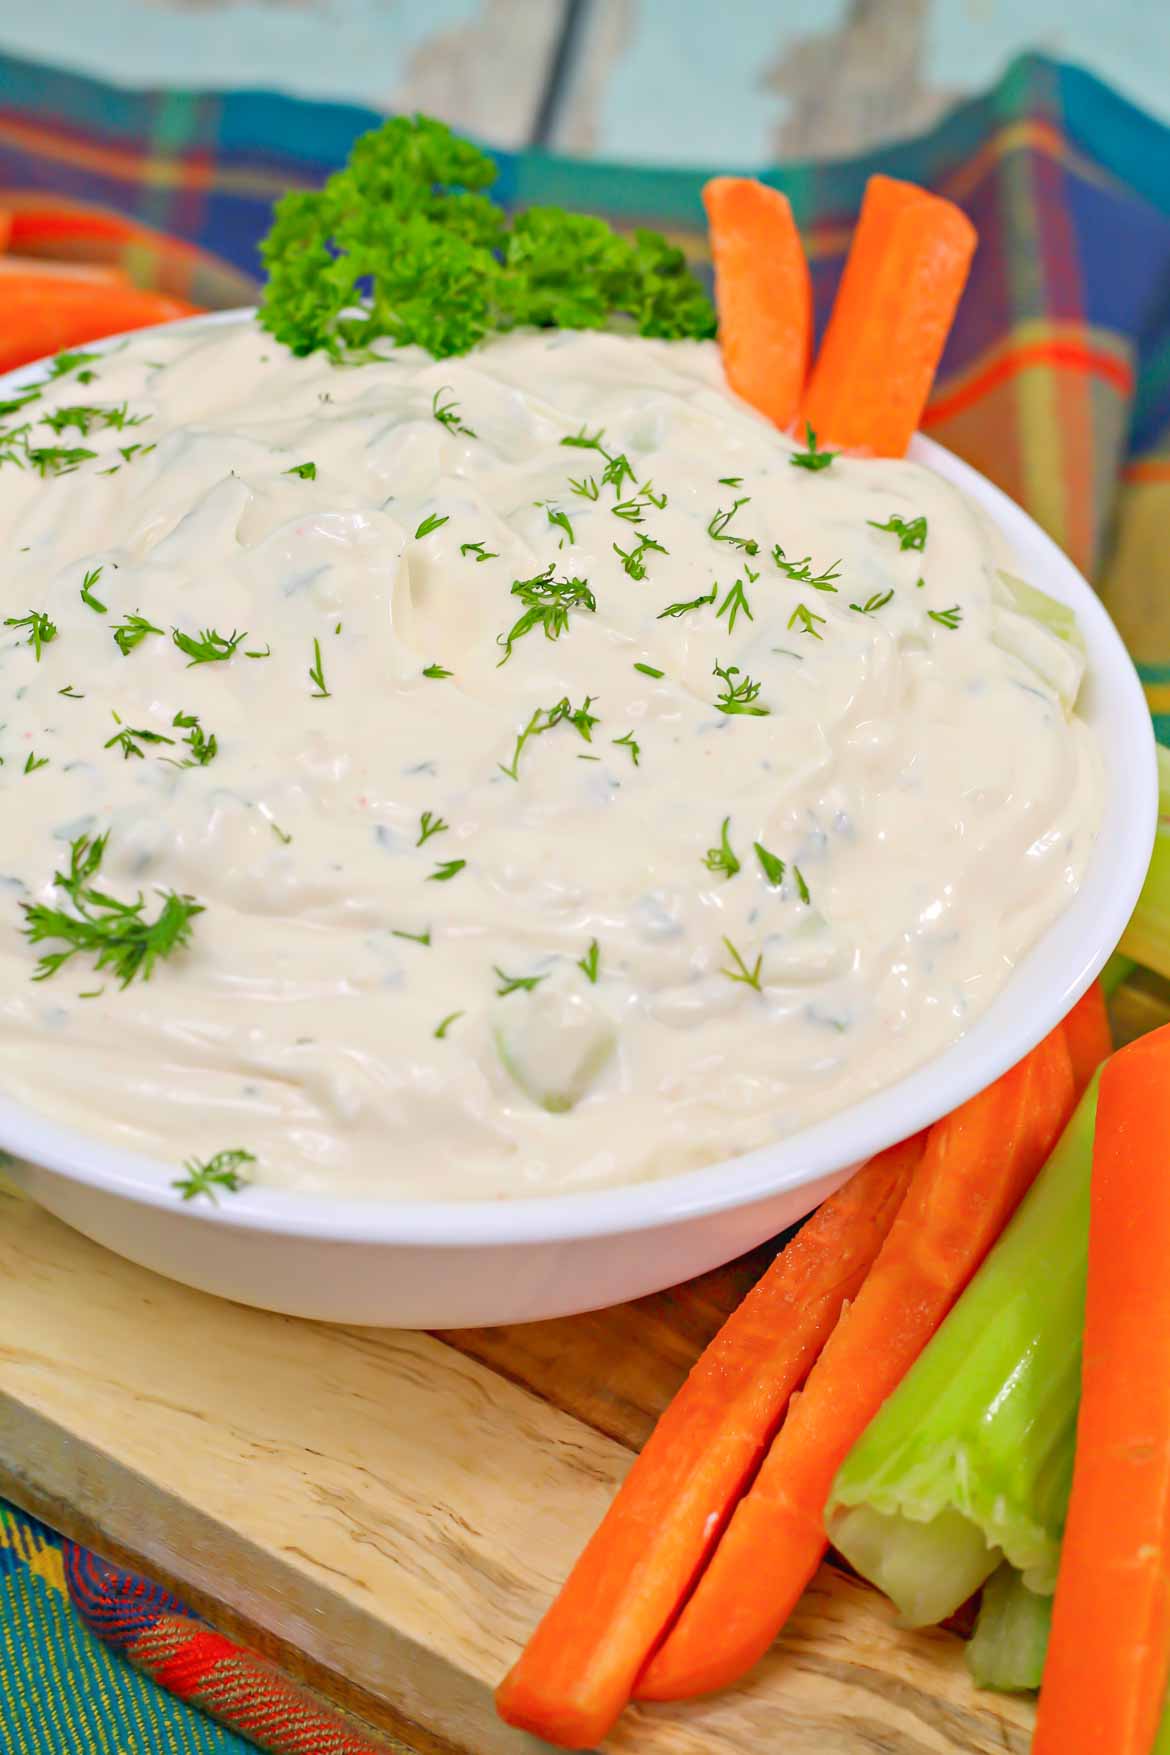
x,y
387,1514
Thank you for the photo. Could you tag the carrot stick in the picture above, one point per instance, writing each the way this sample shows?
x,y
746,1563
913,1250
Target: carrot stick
x,y
1088,1034
1105,1676
978,1164
43,313
906,270
763,294
575,1674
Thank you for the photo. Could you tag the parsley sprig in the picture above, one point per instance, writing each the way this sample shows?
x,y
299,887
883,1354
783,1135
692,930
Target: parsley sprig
x,y
409,221
116,934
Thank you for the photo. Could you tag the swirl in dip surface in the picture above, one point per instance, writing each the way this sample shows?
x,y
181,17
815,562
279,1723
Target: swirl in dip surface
x,y
570,973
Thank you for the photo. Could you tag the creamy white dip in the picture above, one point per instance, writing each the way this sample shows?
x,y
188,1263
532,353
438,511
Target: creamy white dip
x,y
925,802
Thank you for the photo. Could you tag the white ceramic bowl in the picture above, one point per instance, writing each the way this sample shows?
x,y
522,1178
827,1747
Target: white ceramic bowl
x,y
430,1264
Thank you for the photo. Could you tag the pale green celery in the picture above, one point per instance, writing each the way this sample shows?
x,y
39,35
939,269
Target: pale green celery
x,y
1116,970
1162,1740
1041,632
1010,1641
1147,937
970,1460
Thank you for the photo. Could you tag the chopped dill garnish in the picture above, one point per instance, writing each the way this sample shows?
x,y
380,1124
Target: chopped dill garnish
x,y
41,631
33,762
131,632
203,749
479,551
306,471
447,414
677,609
114,933
717,528
738,697
722,858
586,441
544,719
877,600
805,619
71,693
87,596
129,738
947,618
813,458
741,972
222,1171
317,675
436,672
910,535
629,743
418,938
515,983
802,574
441,1031
617,470
281,834
56,459
801,886
587,487
734,602
560,521
445,870
772,867
633,562
432,521
210,647
429,825
548,602
590,963
732,481
649,669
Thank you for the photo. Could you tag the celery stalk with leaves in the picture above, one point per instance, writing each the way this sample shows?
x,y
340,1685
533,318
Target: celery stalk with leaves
x,y
969,1463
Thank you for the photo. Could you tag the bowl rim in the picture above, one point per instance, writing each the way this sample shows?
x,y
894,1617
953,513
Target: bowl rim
x,y
1078,943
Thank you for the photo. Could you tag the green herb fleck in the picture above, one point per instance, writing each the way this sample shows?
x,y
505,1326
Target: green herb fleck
x,y
805,619
445,870
741,972
441,1031
131,632
436,672
677,609
738,697
722,858
479,551
33,762
801,573
560,521
548,602
87,596
203,749
590,963
633,561
433,521
56,459
910,535
734,602
628,741
947,618
130,736
649,669
306,471
801,886
544,719
317,675
447,414
430,825
114,933
516,983
717,529
222,1171
41,631
873,603
732,481
209,648
773,868
813,458
71,692
587,487
418,938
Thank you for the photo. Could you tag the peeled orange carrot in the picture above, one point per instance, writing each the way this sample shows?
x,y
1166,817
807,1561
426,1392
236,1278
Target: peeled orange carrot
x,y
44,313
903,279
763,294
1088,1034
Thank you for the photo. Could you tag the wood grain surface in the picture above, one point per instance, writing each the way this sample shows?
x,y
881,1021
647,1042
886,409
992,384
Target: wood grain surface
x,y
387,1514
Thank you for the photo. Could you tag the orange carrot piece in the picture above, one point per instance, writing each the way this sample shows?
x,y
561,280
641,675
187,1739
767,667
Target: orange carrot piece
x,y
5,228
763,294
43,313
905,273
979,1162
1089,1035
1105,1676
575,1674
20,268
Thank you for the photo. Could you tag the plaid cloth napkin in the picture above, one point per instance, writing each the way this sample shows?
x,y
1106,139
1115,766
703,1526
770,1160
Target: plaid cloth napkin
x,y
1056,384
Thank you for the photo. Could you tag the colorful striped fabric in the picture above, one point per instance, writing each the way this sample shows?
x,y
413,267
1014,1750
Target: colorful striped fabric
x,y
1056,383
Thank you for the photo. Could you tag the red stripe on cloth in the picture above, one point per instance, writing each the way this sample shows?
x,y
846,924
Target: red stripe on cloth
x,y
1147,469
197,1651
1068,355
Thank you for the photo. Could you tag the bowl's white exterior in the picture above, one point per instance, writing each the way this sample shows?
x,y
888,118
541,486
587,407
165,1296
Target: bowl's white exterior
x,y
449,1265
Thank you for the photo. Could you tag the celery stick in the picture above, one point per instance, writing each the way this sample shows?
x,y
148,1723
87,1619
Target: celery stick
x,y
970,1460
1147,937
1010,1641
1116,970
1162,1740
